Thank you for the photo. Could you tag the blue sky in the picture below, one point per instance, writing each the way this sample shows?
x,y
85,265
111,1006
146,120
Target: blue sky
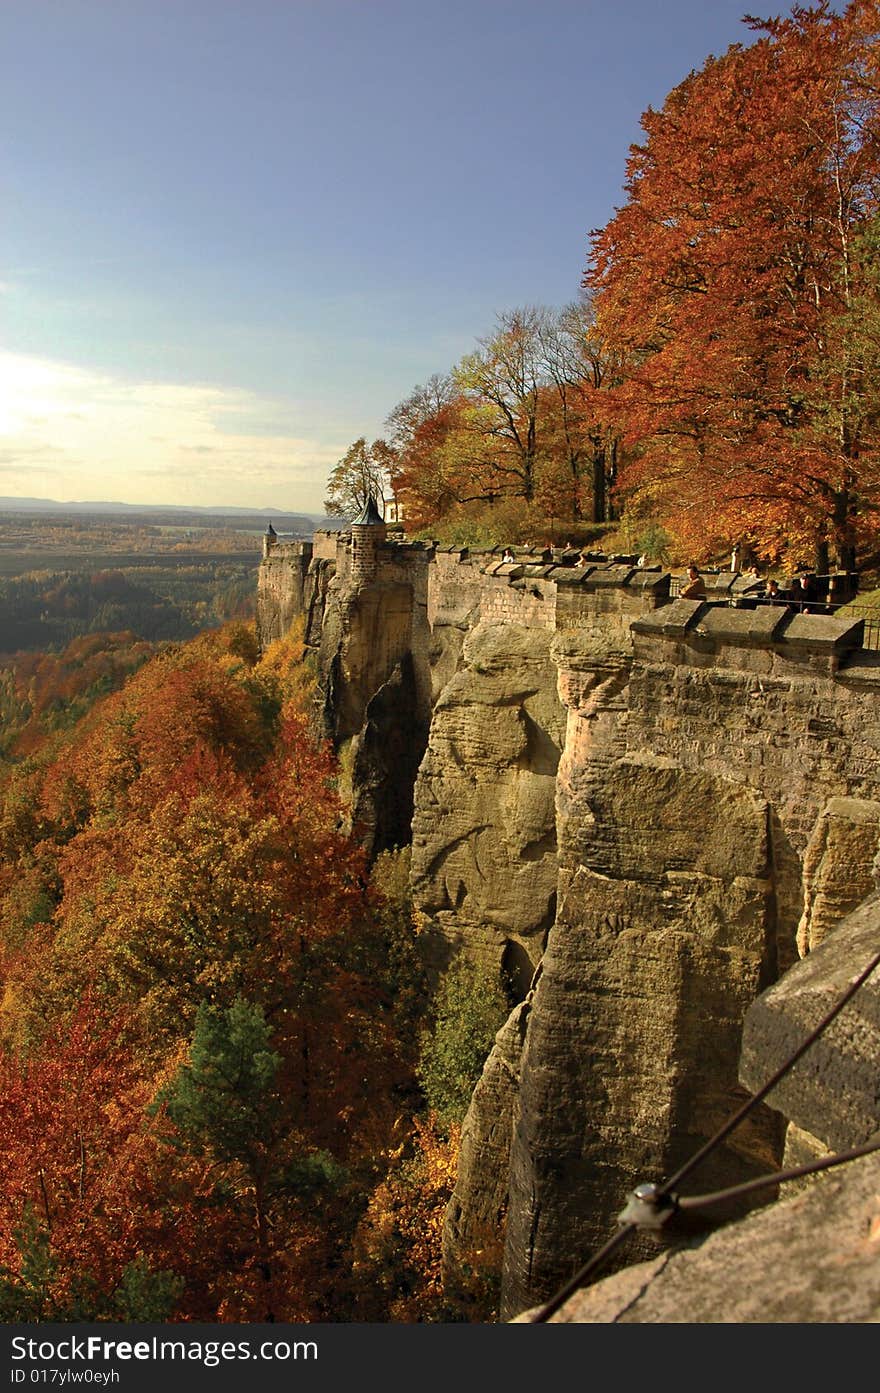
x,y
237,232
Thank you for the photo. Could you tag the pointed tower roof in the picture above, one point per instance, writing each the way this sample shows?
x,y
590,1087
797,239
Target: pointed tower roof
x,y
370,517
270,531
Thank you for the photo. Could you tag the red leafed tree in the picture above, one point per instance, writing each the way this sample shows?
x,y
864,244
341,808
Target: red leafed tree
x,y
728,281
75,1161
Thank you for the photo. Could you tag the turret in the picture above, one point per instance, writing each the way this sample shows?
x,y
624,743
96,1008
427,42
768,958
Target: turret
x,y
367,535
269,540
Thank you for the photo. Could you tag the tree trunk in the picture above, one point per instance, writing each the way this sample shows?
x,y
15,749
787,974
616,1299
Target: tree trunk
x,y
599,492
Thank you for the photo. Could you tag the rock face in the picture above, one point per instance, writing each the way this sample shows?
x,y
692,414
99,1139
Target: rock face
x,y
832,1092
284,590
630,1058
814,1255
838,866
474,1227
668,795
812,1258
484,831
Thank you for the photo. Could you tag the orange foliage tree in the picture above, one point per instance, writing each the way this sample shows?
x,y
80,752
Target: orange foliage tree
x,y
171,863
727,284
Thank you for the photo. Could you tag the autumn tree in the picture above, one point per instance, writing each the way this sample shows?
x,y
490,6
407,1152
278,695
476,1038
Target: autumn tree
x,y
174,863
76,1199
576,368
519,420
364,471
727,284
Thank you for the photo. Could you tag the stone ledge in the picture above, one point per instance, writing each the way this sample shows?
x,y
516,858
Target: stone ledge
x,y
571,575
833,1092
670,621
654,582
610,575
740,626
823,632
766,626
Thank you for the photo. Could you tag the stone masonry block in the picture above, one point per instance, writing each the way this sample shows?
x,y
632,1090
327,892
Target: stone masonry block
x,y
740,626
672,620
823,632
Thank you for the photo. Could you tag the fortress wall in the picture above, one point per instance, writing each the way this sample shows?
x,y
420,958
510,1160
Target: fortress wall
x,y
526,601
454,582
325,545
281,590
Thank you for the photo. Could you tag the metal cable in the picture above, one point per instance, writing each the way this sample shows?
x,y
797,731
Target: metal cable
x,y
694,1202
662,1198
544,1312
771,1083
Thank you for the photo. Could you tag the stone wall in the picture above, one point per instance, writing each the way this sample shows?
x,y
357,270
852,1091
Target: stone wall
x,y
282,589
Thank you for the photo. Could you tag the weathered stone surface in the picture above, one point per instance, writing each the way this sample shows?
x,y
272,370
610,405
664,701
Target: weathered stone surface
x,y
366,633
801,1149
662,939
819,631
675,618
838,866
814,1257
473,1232
484,834
385,758
282,590
741,626
833,1091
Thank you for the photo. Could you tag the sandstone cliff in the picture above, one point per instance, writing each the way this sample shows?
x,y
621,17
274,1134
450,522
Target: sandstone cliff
x,y
652,800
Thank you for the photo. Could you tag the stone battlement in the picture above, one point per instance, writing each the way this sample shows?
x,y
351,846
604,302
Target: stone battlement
x,y
555,590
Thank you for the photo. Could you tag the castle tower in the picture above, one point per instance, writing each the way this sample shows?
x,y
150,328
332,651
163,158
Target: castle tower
x,y
367,535
269,540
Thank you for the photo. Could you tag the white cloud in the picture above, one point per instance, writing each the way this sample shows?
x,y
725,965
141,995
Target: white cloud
x,y
94,436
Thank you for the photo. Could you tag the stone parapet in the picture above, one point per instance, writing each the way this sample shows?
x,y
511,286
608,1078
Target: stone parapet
x,y
701,627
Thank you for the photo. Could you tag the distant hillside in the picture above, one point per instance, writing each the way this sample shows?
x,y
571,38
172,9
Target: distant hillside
x,y
239,518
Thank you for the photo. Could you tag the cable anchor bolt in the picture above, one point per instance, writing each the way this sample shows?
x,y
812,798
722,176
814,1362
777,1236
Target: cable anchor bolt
x,y
648,1207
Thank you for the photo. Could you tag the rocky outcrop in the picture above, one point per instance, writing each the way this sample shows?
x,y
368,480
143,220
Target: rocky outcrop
x,y
667,795
812,1258
630,1058
474,1226
815,1254
832,1092
384,758
838,866
484,829
283,594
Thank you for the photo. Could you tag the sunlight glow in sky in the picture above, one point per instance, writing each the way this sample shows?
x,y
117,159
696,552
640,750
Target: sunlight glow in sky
x,y
237,232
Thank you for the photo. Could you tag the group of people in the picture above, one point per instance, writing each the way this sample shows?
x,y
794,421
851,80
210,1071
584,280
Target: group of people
x,y
802,593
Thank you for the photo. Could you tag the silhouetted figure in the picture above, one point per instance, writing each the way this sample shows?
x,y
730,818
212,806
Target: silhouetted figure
x,y
798,592
810,588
